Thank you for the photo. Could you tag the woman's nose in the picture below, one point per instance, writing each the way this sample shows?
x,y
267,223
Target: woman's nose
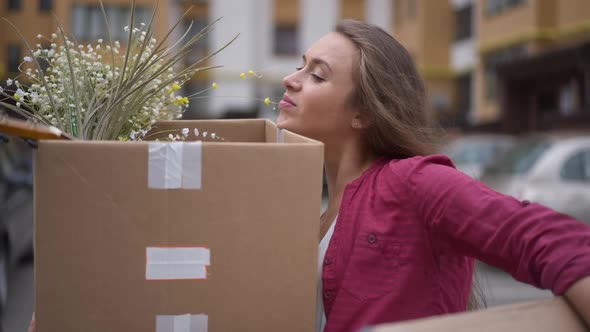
x,y
291,82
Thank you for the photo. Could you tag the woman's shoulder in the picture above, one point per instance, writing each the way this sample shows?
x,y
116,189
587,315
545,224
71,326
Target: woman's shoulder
x,y
423,165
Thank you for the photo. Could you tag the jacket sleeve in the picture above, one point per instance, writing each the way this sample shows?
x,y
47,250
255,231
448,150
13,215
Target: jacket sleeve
x,y
533,243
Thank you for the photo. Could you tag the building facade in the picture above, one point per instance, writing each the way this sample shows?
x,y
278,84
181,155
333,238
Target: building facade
x,y
470,54
462,48
83,18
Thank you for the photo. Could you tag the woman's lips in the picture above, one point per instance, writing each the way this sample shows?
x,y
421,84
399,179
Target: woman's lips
x,y
286,103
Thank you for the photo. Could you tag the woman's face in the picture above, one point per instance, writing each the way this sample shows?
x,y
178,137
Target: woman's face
x,y
317,102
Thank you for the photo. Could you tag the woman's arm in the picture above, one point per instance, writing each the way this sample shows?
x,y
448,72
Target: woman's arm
x,y
533,243
579,296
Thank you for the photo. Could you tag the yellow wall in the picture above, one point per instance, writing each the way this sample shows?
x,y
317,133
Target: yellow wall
x,y
31,22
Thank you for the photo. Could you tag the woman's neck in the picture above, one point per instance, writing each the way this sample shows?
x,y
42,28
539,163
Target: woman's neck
x,y
342,167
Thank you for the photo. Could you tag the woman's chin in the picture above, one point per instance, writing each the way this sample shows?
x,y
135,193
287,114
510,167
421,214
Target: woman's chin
x,y
282,122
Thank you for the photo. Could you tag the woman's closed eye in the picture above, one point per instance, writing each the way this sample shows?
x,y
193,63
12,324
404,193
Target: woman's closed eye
x,y
315,77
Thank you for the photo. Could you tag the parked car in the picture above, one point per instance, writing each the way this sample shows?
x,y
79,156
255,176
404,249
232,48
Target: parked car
x,y
472,153
551,170
16,209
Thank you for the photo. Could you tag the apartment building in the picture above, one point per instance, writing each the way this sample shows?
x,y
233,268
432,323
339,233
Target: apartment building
x,y
83,18
472,54
534,68
273,36
505,64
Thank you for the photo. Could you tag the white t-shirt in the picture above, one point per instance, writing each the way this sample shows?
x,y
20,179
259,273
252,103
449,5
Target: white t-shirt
x,y
321,315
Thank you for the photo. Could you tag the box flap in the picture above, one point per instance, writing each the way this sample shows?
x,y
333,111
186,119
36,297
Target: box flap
x,y
539,316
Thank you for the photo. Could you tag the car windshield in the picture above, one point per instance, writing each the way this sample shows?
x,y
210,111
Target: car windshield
x,y
474,152
520,159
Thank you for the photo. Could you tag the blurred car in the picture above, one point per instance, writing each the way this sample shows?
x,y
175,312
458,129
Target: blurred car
x,y
472,153
550,170
16,209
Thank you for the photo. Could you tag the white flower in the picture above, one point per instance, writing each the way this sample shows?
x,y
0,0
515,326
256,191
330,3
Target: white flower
x,y
100,40
1,89
18,104
205,134
8,82
196,132
53,35
185,131
39,36
28,59
213,136
171,137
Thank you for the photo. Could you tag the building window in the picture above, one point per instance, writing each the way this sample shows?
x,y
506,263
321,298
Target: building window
x,y
285,39
411,8
14,4
14,58
496,58
463,23
198,104
201,48
495,7
464,94
45,5
88,21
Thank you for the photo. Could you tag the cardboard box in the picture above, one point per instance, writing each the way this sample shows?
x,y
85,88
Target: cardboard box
x,y
539,316
218,236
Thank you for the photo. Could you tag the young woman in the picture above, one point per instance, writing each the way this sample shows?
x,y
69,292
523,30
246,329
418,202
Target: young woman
x,y
403,226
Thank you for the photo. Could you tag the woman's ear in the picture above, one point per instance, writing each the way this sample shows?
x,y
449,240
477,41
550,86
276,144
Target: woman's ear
x,y
359,121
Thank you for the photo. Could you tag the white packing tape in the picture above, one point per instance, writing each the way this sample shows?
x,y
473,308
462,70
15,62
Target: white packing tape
x,y
182,323
175,165
280,136
177,263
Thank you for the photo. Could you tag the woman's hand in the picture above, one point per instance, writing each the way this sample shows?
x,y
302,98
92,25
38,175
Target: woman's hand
x,y
579,297
32,325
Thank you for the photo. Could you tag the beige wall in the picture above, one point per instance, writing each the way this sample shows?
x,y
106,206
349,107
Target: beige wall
x,y
286,11
518,21
354,9
571,12
407,30
428,36
437,32
485,110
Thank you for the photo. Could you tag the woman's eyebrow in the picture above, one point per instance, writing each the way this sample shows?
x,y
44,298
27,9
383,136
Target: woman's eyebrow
x,y
318,61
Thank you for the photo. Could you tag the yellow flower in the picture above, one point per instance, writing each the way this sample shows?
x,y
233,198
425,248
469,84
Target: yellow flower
x,y
242,75
181,101
214,85
251,72
175,87
16,97
267,101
